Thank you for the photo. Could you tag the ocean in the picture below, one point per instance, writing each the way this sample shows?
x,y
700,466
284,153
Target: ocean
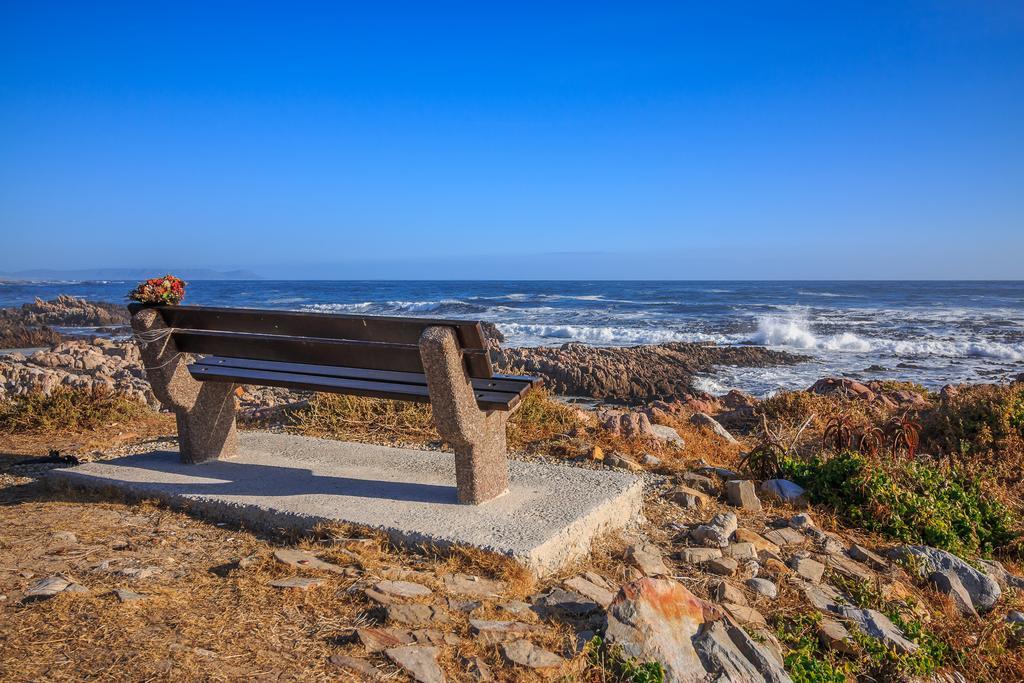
x,y
933,333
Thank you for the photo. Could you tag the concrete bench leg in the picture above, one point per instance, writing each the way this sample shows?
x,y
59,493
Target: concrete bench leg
x,y
481,462
205,411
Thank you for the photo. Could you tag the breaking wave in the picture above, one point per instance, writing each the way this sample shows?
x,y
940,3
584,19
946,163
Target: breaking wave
x,y
444,306
601,336
796,333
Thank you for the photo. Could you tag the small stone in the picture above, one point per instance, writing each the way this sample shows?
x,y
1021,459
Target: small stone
x,y
478,669
139,573
299,582
949,584
812,570
699,482
525,653
305,560
464,606
802,521
420,661
415,614
748,569
744,615
380,639
622,462
688,498
357,666
431,636
698,555
784,491
402,589
834,636
759,542
46,587
64,537
647,558
649,460
717,532
741,494
705,420
491,632
723,591
877,625
583,586
741,551
763,587
785,537
668,435
128,596
471,586
775,567
824,597
1015,617
517,607
564,605
248,561
725,566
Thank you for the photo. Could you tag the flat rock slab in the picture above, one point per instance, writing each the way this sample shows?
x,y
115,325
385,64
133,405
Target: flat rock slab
x,y
549,516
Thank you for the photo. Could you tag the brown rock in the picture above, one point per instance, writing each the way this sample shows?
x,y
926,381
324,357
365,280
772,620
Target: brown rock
x,y
491,632
379,639
419,661
586,587
525,653
656,620
647,558
471,586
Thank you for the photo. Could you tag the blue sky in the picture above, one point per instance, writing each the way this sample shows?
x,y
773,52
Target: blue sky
x,y
547,140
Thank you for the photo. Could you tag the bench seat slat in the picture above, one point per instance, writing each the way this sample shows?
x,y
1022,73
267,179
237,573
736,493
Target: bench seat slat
x,y
486,400
320,351
505,383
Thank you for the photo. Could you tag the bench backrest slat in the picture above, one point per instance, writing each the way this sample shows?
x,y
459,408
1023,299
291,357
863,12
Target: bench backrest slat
x,y
372,342
327,325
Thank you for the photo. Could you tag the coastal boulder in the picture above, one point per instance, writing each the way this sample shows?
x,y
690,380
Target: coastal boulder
x,y
655,620
983,590
706,421
784,491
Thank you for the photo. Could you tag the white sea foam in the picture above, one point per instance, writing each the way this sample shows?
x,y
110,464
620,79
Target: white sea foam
x,y
604,336
796,333
393,307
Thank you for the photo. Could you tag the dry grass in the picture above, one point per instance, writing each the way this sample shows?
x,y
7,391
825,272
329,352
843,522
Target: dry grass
x,y
68,409
204,617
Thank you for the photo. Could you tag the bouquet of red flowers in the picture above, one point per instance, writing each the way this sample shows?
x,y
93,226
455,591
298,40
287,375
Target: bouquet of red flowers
x,y
160,290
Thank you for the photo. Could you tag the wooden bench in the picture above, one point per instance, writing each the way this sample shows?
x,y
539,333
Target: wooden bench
x,y
443,362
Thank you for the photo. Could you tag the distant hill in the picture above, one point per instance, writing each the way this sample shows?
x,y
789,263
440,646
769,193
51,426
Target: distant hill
x,y
128,274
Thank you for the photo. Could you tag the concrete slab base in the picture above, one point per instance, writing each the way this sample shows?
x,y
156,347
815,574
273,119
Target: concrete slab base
x,y
549,516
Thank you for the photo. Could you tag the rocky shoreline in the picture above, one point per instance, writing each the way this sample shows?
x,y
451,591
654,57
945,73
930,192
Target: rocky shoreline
x,y
31,325
627,375
650,378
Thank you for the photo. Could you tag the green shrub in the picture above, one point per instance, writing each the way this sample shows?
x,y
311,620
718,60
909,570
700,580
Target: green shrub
x,y
67,409
910,501
985,419
879,662
806,661
622,668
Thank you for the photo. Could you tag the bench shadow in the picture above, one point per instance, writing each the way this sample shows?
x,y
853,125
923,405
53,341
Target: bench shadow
x,y
246,479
